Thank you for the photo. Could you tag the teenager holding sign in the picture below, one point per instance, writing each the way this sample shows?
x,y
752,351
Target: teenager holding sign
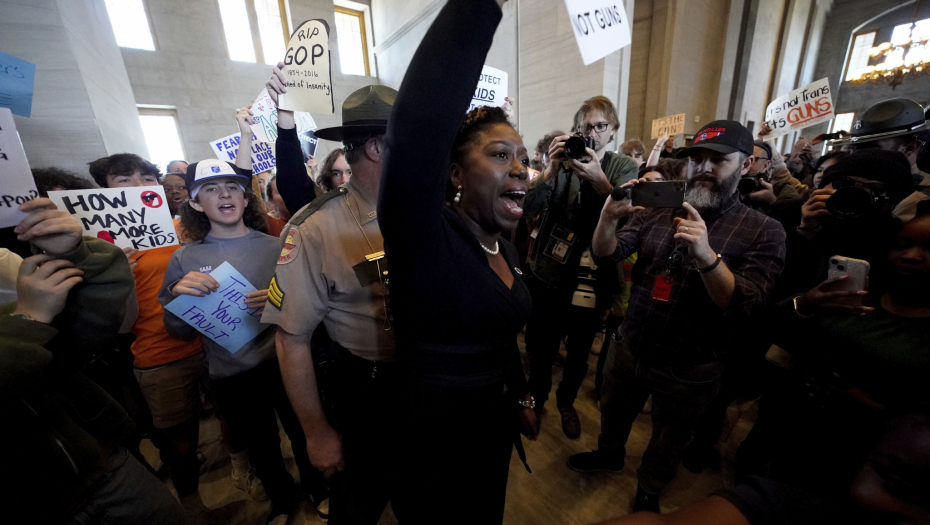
x,y
224,222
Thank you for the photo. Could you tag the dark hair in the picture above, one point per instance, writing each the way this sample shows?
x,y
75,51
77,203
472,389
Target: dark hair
x,y
662,170
120,164
631,146
674,167
48,179
543,145
836,154
326,172
476,121
196,224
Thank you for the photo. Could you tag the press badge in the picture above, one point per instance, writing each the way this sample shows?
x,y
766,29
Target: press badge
x,y
663,288
560,244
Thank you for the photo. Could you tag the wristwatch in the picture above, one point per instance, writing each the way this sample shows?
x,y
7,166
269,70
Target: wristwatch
x,y
527,403
25,317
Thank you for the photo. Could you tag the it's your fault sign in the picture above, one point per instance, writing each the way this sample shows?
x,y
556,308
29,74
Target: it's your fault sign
x,y
600,27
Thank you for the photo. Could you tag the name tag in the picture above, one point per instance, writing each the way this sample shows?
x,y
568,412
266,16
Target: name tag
x,y
371,270
662,290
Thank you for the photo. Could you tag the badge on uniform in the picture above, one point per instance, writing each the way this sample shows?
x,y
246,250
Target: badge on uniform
x,y
275,294
291,247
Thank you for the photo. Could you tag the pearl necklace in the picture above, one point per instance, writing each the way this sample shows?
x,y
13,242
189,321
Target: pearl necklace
x,y
495,251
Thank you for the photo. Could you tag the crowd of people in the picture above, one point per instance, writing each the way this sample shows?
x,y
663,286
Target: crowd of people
x,y
395,278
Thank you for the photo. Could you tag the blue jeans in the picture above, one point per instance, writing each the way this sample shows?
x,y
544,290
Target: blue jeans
x,y
680,394
128,494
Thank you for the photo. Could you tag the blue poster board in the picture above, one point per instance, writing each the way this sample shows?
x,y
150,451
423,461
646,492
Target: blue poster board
x,y
17,81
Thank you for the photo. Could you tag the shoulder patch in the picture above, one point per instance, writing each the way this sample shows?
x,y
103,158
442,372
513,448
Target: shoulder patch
x,y
315,205
275,294
291,247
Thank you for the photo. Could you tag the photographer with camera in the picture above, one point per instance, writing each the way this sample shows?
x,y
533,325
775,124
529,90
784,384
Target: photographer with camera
x,y
761,190
702,269
572,190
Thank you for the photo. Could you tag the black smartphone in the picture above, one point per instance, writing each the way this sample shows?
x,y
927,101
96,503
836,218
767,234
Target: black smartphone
x,y
666,194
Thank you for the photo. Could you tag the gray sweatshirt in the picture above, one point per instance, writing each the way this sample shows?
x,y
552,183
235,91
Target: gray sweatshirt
x,y
255,256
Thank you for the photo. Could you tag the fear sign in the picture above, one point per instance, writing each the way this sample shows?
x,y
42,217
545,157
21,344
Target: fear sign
x,y
151,199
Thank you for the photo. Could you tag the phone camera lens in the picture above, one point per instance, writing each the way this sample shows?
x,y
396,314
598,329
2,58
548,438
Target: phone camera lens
x,y
833,261
840,267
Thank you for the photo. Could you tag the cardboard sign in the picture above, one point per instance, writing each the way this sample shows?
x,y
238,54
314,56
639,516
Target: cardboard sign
x,y
262,153
222,316
804,107
600,27
265,114
16,183
671,125
17,81
308,70
491,90
136,217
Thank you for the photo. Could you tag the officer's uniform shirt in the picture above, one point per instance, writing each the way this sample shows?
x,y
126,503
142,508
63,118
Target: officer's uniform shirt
x,y
323,274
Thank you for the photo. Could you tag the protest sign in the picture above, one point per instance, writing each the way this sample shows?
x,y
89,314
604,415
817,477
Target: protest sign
x,y
16,183
308,143
262,152
308,71
17,81
265,114
600,27
491,90
222,315
801,108
671,125
135,217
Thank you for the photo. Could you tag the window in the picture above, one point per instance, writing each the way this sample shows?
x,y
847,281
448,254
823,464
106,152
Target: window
x,y
272,28
353,41
859,58
130,24
236,28
843,121
160,127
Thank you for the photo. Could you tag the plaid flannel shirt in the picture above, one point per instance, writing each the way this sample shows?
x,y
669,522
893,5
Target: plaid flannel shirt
x,y
690,328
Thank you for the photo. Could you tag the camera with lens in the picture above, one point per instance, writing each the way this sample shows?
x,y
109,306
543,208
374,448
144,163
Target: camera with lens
x,y
750,183
851,200
576,146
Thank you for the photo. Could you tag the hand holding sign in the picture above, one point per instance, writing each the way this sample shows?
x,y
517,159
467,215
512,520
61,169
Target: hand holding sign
x,y
47,228
244,119
308,71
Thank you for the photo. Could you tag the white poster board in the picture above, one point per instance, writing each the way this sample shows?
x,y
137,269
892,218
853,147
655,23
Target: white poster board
x,y
16,183
600,27
265,114
263,158
308,70
135,217
491,89
670,125
801,108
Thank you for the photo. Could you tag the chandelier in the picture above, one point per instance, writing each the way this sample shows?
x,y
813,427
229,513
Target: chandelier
x,y
906,56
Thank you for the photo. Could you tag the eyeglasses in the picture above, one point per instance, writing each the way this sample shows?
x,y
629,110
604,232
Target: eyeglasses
x,y
599,127
762,158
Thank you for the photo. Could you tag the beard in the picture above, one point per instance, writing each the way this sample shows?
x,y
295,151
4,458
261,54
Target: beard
x,y
711,198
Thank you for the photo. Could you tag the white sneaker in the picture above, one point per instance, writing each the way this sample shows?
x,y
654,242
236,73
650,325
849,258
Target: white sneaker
x,y
251,485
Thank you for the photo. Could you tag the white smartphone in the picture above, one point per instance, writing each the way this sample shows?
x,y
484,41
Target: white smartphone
x,y
858,280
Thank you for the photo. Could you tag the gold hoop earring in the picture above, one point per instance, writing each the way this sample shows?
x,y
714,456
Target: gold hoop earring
x,y
458,196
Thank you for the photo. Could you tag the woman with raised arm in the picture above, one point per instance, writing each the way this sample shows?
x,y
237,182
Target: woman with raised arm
x,y
457,292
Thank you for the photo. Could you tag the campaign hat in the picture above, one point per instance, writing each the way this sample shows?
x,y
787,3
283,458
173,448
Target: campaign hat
x,y
724,136
365,112
889,118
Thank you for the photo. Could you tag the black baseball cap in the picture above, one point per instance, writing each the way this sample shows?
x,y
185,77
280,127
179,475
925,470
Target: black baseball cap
x,y
725,136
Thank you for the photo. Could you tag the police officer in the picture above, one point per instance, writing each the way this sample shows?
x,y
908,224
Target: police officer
x,y
332,270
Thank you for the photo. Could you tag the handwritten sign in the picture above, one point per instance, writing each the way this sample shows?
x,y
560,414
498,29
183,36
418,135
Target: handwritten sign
x,y
265,114
671,125
136,217
222,316
308,70
491,90
262,153
16,183
17,81
600,27
801,108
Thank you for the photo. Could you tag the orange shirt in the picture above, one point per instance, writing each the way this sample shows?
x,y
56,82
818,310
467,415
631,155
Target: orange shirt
x,y
153,346
275,226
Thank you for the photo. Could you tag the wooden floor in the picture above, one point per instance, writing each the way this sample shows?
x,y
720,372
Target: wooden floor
x,y
552,494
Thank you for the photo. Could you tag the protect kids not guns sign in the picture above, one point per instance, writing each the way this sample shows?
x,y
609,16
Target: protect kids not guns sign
x,y
801,108
600,27
136,217
491,89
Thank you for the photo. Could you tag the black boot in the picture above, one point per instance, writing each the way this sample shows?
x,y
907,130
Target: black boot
x,y
645,501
